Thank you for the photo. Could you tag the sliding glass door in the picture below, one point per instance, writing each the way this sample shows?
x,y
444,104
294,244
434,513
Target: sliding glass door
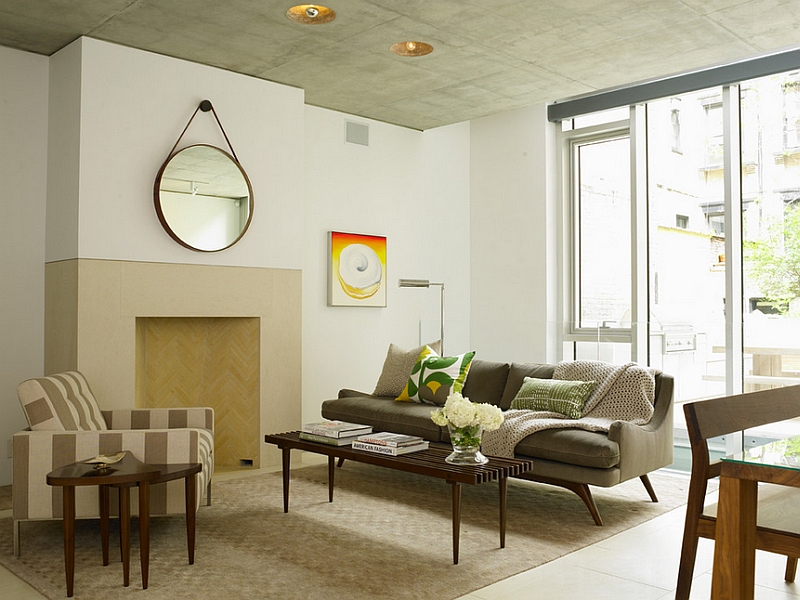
x,y
686,242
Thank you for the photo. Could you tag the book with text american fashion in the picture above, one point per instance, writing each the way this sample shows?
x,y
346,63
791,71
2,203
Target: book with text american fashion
x,y
322,439
386,438
388,450
336,429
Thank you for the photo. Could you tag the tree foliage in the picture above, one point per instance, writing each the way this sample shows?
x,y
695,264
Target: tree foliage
x,y
774,261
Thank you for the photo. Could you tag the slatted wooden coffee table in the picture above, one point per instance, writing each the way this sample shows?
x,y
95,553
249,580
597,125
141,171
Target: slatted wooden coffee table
x,y
428,462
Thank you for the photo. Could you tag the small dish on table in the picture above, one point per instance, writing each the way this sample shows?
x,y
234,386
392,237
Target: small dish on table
x,y
102,461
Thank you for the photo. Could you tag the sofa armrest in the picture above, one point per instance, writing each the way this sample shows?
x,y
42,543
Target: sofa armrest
x,y
201,417
36,453
645,448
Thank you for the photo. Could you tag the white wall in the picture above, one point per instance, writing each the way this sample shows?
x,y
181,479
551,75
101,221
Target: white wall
x,y
133,107
411,187
408,185
23,168
514,236
470,204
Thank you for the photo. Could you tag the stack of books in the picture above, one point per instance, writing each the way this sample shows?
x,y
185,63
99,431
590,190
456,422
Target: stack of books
x,y
392,444
333,433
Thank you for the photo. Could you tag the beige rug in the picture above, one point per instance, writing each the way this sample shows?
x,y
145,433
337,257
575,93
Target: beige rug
x,y
386,535
5,497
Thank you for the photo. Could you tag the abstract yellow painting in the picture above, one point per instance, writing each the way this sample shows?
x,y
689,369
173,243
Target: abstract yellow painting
x,y
357,270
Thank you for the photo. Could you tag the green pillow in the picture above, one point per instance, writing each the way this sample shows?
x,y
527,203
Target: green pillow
x,y
553,395
435,377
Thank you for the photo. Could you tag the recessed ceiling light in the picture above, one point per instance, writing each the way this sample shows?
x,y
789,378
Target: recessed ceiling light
x,y
311,14
411,48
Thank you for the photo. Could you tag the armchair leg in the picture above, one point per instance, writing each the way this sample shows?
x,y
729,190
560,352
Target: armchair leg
x,y
649,487
15,527
208,494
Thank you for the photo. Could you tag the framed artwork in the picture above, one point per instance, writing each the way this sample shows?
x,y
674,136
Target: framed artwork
x,y
356,270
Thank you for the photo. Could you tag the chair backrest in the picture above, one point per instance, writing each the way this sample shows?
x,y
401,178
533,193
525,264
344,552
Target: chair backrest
x,y
720,416
61,402
708,419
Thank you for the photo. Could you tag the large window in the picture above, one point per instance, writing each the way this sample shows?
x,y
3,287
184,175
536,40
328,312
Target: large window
x,y
721,288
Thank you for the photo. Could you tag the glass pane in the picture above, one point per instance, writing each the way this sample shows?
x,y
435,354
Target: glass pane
x,y
604,232
687,243
607,116
770,123
598,349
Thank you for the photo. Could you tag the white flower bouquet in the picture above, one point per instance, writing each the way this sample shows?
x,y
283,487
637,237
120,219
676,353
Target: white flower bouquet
x,y
459,412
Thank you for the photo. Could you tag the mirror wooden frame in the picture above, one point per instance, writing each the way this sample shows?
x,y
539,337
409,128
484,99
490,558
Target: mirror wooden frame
x,y
160,211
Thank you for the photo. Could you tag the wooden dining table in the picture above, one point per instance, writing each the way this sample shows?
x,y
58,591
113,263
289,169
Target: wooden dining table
x,y
735,543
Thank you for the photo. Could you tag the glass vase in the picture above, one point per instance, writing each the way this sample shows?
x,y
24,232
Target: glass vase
x,y
466,445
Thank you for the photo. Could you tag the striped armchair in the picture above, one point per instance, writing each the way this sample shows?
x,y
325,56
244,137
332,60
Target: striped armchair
x,y
66,425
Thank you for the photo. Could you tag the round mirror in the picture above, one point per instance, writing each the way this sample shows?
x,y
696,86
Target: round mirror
x,y
203,198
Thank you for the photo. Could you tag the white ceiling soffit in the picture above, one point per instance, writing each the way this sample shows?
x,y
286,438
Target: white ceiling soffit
x,y
489,55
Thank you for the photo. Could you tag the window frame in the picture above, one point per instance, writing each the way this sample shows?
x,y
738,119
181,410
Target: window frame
x,y
570,141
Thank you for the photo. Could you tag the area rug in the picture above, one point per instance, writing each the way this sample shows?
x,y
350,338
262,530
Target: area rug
x,y
5,497
387,534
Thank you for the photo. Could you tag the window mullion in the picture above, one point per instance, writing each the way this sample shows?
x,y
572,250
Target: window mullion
x,y
734,314
639,254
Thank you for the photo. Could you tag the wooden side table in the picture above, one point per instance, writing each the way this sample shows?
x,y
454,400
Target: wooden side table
x,y
125,473
167,472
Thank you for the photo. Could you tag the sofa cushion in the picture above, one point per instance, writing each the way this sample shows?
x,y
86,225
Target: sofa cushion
x,y
553,395
435,377
61,402
384,414
397,367
486,381
571,446
517,374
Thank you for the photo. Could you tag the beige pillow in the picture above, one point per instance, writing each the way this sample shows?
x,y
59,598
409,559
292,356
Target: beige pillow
x,y
397,368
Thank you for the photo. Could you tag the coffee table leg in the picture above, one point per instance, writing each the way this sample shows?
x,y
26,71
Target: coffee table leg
x,y
503,485
331,470
191,504
286,467
144,529
456,519
69,537
125,533
104,511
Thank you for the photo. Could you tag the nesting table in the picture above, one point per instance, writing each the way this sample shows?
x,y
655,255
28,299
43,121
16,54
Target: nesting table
x,y
126,473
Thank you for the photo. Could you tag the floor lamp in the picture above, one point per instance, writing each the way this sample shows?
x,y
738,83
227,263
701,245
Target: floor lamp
x,y
424,283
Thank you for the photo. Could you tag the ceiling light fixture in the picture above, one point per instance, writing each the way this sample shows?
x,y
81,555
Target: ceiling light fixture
x,y
411,48
311,14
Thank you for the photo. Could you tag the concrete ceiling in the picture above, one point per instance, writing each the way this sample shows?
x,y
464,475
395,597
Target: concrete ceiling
x,y
489,55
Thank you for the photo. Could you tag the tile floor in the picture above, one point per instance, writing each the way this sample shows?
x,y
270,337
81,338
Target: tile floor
x,y
638,564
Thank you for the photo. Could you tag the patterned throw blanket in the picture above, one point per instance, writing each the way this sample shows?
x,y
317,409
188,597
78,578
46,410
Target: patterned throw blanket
x,y
623,393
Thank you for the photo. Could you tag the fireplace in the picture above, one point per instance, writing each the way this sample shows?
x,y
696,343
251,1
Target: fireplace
x,y
205,361
226,337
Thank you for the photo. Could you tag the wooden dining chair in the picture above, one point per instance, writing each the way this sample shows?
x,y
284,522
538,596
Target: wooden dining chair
x,y
778,527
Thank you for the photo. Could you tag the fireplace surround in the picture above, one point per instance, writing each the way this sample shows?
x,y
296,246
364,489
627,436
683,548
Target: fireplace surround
x,y
96,315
